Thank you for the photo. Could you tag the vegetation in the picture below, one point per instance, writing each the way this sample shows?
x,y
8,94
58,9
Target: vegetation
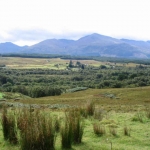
x,y
75,108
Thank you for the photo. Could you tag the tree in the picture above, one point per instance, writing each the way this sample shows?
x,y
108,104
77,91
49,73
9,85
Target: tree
x,y
70,64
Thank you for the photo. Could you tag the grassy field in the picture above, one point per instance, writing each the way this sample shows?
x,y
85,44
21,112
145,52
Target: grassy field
x,y
52,63
123,100
121,108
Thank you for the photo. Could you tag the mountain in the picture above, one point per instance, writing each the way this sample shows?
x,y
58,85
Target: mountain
x,y
9,47
90,45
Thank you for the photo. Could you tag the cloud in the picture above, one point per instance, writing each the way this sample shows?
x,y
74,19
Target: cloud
x,y
32,36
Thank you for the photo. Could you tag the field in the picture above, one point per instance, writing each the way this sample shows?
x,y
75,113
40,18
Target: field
x,y
51,63
116,109
119,112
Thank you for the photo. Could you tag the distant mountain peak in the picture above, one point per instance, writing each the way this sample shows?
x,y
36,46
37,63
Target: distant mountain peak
x,y
90,45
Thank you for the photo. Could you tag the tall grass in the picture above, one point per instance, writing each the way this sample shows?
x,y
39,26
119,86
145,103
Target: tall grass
x,y
77,125
5,124
147,113
66,135
99,114
37,131
113,131
90,108
98,129
139,117
72,131
9,127
57,124
127,131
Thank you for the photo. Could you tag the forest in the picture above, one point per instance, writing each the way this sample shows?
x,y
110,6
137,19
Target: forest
x,y
39,82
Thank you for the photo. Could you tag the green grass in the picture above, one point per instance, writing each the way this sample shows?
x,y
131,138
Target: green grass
x,y
139,135
118,112
1,95
125,99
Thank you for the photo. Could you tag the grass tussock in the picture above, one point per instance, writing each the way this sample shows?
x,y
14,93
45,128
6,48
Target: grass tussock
x,y
139,117
90,108
37,131
66,135
99,114
57,124
113,131
99,129
147,113
83,112
72,132
9,126
127,131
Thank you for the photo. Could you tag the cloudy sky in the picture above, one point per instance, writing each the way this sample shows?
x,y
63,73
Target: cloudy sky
x,y
26,22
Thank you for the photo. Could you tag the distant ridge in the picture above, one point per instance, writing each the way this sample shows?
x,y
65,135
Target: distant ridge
x,y
90,45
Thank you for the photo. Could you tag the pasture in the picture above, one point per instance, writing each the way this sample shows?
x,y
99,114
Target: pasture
x,y
119,108
51,63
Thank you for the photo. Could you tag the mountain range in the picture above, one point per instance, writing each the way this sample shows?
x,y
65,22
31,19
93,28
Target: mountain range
x,y
90,45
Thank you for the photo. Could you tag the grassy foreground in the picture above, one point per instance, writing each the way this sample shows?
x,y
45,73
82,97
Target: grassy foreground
x,y
119,110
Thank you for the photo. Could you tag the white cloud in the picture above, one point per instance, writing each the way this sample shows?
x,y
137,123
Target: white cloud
x,y
64,18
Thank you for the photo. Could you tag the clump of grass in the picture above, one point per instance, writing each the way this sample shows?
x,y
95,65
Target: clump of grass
x,y
147,113
90,108
99,129
113,131
77,126
98,114
83,112
127,131
57,124
66,135
5,124
138,117
9,127
37,131
72,131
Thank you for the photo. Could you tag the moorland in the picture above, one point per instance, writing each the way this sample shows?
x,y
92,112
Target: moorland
x,y
105,101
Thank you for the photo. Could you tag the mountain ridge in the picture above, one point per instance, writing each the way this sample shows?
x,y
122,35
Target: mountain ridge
x,y
89,45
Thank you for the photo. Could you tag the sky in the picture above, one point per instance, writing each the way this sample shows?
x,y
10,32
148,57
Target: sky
x,y
26,22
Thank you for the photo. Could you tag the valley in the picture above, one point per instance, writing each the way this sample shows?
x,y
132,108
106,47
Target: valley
x,y
110,99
